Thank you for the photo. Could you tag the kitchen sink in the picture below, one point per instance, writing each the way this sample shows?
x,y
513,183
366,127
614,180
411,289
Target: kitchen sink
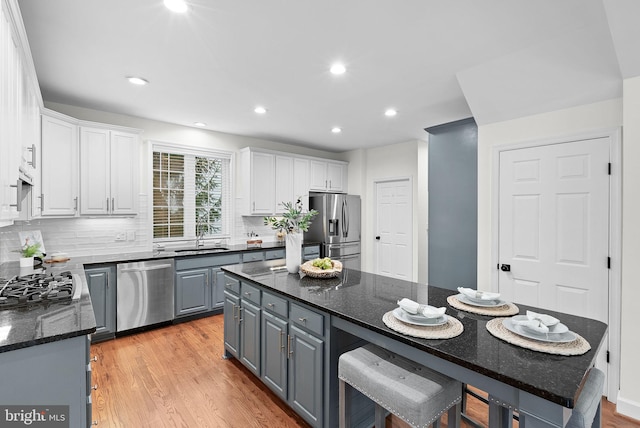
x,y
202,250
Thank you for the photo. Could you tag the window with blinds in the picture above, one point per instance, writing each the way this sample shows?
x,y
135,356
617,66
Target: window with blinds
x,y
191,193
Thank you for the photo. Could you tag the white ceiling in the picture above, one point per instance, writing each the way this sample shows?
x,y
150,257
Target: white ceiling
x,y
434,61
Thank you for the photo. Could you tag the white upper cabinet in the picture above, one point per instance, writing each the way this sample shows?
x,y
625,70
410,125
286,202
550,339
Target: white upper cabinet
x,y
258,176
19,115
88,168
59,167
328,176
301,181
270,178
108,172
283,182
125,170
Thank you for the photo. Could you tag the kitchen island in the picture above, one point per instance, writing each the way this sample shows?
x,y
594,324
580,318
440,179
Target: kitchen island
x,y
541,387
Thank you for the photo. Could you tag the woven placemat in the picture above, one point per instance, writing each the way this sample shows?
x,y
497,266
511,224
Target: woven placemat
x,y
577,347
451,328
496,311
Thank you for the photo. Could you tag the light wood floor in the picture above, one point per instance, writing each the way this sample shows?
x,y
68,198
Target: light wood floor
x,y
176,377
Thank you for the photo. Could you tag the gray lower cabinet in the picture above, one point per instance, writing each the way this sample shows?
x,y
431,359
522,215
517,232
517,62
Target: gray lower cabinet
x,y
193,292
231,324
279,341
273,353
102,288
305,374
59,373
199,283
250,336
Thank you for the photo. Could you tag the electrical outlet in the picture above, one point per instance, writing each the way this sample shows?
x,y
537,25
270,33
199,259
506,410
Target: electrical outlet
x,y
121,236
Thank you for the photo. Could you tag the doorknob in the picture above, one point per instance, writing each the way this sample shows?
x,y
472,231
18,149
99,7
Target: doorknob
x,y
377,238
505,268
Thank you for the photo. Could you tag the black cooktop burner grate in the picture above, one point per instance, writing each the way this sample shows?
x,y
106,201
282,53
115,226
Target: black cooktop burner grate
x,y
35,288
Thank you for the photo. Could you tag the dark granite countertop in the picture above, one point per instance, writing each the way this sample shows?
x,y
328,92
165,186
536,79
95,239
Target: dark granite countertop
x,y
363,298
48,321
42,323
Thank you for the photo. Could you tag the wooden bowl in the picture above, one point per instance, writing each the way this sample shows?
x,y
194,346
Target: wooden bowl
x,y
315,272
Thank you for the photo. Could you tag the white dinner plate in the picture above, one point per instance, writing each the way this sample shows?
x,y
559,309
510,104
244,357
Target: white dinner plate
x,y
485,303
400,314
553,329
565,337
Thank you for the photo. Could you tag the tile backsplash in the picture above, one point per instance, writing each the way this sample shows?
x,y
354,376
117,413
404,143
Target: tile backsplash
x,y
82,236
88,236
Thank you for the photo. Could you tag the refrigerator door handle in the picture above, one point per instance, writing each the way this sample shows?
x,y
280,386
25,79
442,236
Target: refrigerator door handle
x,y
345,219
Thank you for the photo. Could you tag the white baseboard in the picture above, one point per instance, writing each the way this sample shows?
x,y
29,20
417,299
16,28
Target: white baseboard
x,y
627,407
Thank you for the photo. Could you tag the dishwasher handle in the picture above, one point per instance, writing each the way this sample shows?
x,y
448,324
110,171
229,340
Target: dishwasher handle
x,y
146,268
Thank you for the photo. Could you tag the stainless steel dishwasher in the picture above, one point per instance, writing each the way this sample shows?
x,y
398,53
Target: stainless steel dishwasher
x,y
144,293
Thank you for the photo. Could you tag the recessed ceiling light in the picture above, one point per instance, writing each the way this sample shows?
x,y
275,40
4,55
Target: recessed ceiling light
x,y
137,80
178,6
390,112
337,68
336,130
260,110
200,124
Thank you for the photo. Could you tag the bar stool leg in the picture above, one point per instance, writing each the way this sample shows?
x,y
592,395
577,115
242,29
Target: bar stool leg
x,y
381,413
344,404
453,416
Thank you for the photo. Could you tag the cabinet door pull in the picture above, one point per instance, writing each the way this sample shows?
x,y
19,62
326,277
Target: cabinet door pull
x,y
239,314
289,347
32,149
94,359
235,317
270,305
282,341
18,203
113,205
75,203
95,387
302,320
107,204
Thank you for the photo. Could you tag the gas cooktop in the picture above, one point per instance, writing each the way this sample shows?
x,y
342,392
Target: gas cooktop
x,y
36,288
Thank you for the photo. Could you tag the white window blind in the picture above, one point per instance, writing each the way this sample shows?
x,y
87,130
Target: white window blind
x,y
191,193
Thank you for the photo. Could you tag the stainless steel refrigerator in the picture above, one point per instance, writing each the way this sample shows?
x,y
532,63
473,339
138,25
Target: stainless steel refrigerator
x,y
337,227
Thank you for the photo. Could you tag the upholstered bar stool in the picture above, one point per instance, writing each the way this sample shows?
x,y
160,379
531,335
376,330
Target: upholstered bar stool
x,y
586,413
413,392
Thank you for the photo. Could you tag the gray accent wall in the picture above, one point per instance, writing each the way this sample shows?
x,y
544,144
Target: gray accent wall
x,y
453,202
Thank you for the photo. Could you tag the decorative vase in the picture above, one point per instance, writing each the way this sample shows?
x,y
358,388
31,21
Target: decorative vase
x,y
26,261
293,251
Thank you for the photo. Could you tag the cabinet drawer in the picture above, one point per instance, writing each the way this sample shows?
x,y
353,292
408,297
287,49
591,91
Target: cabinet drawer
x,y
252,256
311,250
274,254
308,319
275,304
231,284
249,292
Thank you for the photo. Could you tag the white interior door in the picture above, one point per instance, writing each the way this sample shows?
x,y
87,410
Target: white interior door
x,y
394,224
554,227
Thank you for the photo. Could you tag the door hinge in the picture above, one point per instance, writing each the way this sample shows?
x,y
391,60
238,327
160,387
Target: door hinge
x,y
608,262
609,168
607,356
